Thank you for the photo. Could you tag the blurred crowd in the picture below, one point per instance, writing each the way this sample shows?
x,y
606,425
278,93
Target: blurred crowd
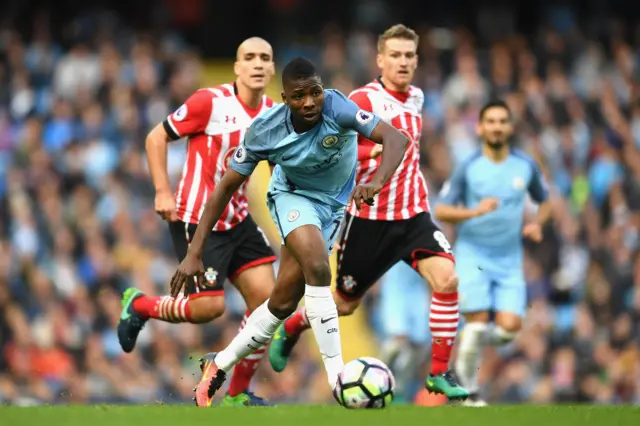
x,y
77,224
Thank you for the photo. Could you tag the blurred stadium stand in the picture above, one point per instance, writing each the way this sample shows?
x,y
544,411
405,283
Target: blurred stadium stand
x,y
82,82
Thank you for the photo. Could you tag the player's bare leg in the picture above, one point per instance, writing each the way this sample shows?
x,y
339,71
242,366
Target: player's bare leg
x,y
303,259
289,332
259,328
476,334
440,273
255,284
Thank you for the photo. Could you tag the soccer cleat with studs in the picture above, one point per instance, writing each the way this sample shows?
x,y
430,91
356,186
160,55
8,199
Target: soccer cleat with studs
x,y
212,379
446,384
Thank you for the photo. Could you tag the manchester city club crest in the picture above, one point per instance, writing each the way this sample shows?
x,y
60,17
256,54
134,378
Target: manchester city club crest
x,y
518,183
293,215
329,141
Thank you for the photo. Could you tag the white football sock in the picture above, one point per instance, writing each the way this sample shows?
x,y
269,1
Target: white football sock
x,y
323,318
258,331
499,336
471,345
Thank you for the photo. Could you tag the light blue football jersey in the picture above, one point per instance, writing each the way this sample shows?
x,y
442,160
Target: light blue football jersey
x,y
498,233
320,163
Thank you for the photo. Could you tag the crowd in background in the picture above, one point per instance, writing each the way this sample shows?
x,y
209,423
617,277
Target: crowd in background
x,y
77,224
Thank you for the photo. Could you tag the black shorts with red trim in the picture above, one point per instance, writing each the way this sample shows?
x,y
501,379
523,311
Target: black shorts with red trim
x,y
226,254
369,248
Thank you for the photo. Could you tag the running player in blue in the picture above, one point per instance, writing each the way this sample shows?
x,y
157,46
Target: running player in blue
x,y
486,196
312,139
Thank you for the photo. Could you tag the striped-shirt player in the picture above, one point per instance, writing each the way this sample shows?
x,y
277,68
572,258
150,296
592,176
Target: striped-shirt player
x,y
213,121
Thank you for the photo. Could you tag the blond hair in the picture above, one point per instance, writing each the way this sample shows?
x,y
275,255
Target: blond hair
x,y
397,31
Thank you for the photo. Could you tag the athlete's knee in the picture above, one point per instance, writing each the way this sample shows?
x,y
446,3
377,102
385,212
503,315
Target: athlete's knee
x,y
283,308
440,272
206,309
446,282
317,272
507,325
257,294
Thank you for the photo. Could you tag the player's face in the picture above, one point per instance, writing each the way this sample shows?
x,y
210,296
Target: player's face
x,y
495,127
398,62
305,99
254,64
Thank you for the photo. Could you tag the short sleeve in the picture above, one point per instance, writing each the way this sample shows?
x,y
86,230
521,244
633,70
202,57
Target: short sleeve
x,y
538,189
192,117
349,116
247,155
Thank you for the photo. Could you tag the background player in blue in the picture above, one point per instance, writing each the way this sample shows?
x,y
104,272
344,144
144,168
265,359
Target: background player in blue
x,y
312,139
486,197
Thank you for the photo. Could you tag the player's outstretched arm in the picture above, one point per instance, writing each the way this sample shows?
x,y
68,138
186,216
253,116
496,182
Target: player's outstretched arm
x,y
156,147
394,144
452,194
191,118
192,264
457,214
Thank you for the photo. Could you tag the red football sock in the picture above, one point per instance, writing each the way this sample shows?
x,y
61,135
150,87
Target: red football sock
x,y
164,308
297,323
443,322
244,371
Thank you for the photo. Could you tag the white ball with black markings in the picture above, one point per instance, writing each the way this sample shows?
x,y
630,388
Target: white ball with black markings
x,y
365,382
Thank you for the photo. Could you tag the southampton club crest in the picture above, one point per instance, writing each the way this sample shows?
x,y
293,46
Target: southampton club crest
x,y
210,277
348,283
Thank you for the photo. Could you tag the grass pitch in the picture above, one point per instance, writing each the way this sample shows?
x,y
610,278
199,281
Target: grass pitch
x,y
319,416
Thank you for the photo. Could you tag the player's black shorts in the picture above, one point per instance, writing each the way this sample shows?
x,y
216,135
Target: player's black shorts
x,y
369,248
226,253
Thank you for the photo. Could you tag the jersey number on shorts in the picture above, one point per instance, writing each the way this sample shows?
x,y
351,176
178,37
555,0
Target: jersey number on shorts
x,y
442,240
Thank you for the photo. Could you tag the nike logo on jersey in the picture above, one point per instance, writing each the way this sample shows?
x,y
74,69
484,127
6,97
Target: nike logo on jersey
x,y
326,320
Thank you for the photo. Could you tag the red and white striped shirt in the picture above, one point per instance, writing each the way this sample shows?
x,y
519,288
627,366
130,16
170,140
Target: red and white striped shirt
x,y
214,120
405,194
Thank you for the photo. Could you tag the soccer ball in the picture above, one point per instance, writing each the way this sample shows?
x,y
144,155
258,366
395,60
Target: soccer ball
x,y
365,383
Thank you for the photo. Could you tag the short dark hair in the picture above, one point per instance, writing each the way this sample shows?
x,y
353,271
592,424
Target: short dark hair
x,y
495,103
298,69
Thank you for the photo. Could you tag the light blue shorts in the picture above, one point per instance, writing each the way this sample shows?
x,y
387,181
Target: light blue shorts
x,y
290,211
489,284
404,304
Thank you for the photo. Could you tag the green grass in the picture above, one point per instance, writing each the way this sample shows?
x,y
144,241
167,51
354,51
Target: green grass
x,y
320,416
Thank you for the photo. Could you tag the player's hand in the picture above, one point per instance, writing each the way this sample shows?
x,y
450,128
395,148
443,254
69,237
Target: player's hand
x,y
165,206
364,194
487,205
533,231
190,267
376,151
